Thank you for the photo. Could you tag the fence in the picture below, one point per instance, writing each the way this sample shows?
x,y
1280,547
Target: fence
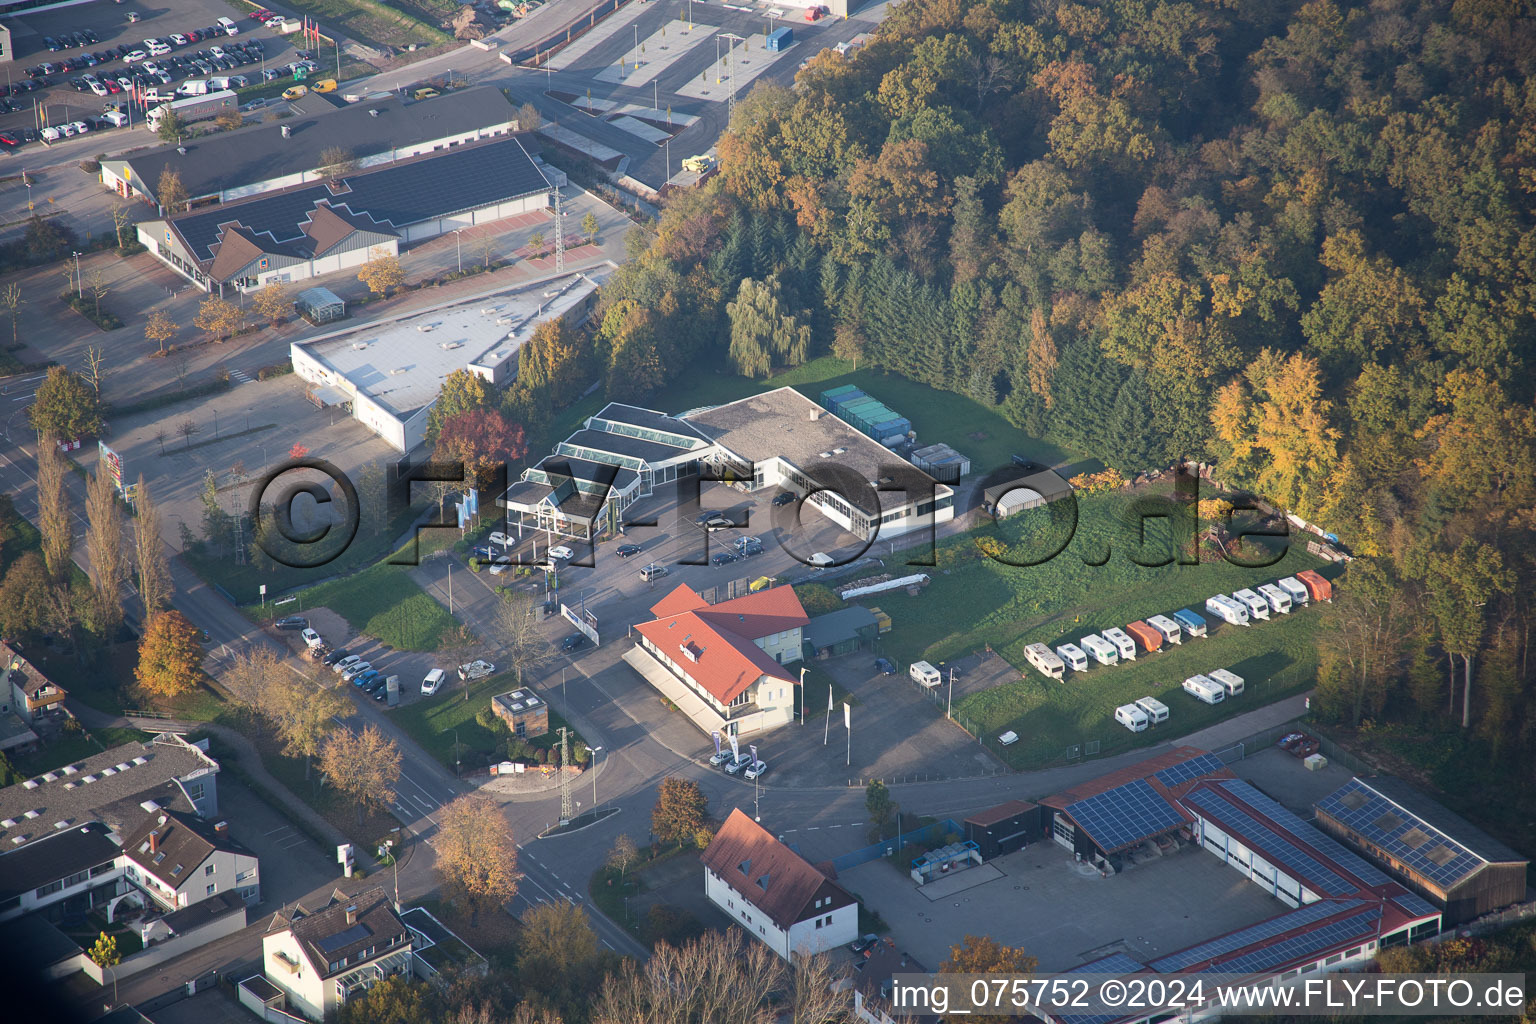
x,y
874,851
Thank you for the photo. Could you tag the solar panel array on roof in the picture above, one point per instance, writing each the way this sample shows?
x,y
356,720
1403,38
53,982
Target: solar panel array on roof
x,y
1115,963
1313,837
1270,846
1125,815
1411,904
1412,841
1205,764
1257,933
1301,947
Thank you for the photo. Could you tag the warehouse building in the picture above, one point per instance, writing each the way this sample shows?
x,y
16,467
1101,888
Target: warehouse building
x,y
305,231
222,167
1033,489
1445,858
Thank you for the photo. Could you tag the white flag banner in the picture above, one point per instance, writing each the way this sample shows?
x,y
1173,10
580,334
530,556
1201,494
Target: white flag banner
x,y
735,751
829,700
847,717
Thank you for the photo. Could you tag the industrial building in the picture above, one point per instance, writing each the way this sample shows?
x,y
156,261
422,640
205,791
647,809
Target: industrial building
x,y
307,230
389,372
776,440
1440,855
221,167
1030,489
774,894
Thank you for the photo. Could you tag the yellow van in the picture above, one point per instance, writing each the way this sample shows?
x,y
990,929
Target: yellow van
x,y
294,92
324,85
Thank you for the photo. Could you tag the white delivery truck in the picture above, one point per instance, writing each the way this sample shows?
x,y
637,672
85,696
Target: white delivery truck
x,y
924,674
193,87
1122,641
193,108
1278,599
1258,608
1132,717
1166,626
1157,711
1227,610
1102,650
1045,660
1073,655
1294,590
1205,689
1228,681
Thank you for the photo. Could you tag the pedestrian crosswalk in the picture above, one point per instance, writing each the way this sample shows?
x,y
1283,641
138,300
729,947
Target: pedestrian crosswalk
x,y
239,376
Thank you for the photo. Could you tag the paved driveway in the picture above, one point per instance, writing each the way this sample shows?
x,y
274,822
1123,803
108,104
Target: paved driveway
x,y
292,864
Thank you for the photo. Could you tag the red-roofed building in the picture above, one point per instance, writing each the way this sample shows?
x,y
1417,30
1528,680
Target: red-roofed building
x,y
776,895
723,664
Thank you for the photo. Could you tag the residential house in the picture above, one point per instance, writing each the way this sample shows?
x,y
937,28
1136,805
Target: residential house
x,y
872,1000
776,895
69,871
32,693
179,859
321,960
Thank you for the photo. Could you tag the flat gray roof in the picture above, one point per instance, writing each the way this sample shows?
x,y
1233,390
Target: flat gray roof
x,y
401,363
785,424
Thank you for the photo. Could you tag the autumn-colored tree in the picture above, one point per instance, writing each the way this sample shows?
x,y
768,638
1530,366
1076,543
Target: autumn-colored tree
x,y
680,810
382,272
104,545
623,854
461,392
170,655
476,857
103,951
221,318
363,764
982,954
589,226
169,190
337,162
482,440
160,328
273,303
396,1000
55,520
66,407
720,976
151,571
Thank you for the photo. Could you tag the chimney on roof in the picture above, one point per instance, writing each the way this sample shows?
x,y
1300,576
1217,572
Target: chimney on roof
x,y
162,819
154,840
221,827
352,914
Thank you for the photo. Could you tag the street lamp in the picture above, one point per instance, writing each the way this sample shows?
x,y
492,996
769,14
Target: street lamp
x,y
79,283
455,753
458,247
594,751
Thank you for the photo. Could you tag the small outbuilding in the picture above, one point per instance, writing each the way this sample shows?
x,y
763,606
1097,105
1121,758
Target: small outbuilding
x,y
320,305
841,632
1005,828
1025,491
941,462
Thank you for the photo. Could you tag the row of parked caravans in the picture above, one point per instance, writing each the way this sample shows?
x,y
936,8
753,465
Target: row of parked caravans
x,y
1212,687
1137,717
1279,597
1114,643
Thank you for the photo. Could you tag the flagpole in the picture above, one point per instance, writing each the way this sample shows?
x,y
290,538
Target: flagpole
x,y
826,733
848,725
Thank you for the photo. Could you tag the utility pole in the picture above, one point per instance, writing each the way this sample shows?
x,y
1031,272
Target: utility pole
x,y
559,234
566,811
730,57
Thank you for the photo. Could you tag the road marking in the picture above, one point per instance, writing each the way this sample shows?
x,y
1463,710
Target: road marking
x,y
834,826
812,828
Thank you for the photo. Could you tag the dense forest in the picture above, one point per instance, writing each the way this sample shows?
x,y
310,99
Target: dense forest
x,y
1291,239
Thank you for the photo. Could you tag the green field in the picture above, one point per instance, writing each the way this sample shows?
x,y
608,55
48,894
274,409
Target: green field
x,y
385,603
975,601
436,723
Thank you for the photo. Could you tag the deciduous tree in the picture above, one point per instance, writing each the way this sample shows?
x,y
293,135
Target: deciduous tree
x,y
556,949
11,301
363,764
169,190
461,392
53,512
381,273
170,655
589,226
517,627
396,1000
152,571
680,810
273,303
66,408
104,544
336,162
476,857
623,854
721,976
482,440
221,318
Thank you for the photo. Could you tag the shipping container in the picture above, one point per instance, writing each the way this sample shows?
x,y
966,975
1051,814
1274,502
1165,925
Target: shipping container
x,y
1258,608
1294,590
1149,638
1230,681
1193,624
832,394
781,39
1317,586
1073,655
1226,609
1157,711
1167,627
1123,643
882,620
1045,660
1204,689
1132,717
1102,650
1278,599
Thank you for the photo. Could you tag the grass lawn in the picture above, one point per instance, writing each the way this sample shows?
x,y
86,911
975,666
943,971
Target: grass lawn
x,y
975,601
369,21
385,603
608,888
109,687
434,723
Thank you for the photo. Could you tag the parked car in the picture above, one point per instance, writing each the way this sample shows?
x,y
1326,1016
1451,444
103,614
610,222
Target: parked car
x,y
885,666
499,539
784,498
561,552
312,638
573,642
719,758
863,942
735,767
500,565
349,674
332,657
342,664
653,572
627,550
362,679
719,522
432,682
292,622
755,770
724,558
476,670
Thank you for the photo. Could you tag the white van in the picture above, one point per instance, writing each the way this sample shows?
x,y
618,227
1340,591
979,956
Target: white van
x,y
1205,689
433,680
1122,641
218,83
1157,711
820,560
1132,717
1294,590
1227,610
1045,660
193,87
1228,681
229,27
1102,650
924,674
1278,599
1073,655
1258,608
51,134
1166,626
